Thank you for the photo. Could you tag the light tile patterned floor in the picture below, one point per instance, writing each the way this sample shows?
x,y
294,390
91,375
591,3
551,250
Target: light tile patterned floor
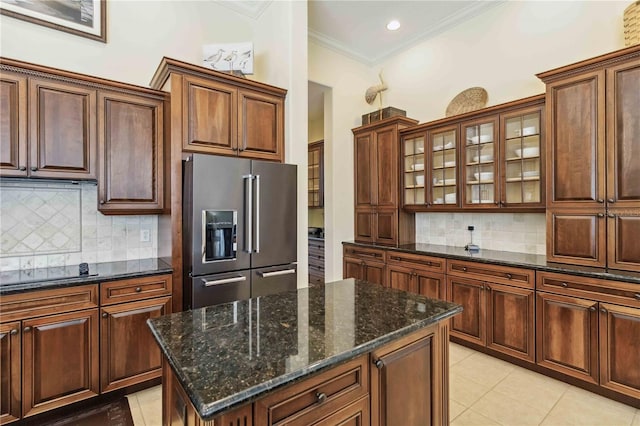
x,y
484,391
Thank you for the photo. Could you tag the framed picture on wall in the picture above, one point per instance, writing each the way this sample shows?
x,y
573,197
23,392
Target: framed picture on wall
x,y
86,18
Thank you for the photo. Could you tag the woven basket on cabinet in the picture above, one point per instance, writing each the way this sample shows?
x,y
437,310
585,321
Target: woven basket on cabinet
x,y
632,24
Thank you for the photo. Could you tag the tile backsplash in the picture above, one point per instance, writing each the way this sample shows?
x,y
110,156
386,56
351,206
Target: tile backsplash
x,y
47,224
516,232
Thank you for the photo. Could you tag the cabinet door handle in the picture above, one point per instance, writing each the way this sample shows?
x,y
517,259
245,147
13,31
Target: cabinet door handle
x,y
138,289
34,168
379,364
509,276
637,296
592,308
611,200
105,315
464,269
600,200
101,201
428,263
321,397
14,331
603,310
488,287
611,215
27,329
565,285
23,168
600,214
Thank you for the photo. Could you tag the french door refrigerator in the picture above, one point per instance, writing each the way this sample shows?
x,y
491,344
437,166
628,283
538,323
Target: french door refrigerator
x,y
239,229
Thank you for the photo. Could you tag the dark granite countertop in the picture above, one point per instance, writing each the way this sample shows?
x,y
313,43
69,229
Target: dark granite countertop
x,y
506,258
228,355
66,276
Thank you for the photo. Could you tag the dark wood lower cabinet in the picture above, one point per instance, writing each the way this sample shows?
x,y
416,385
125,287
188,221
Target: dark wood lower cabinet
x,y
567,335
416,281
470,324
368,270
10,367
356,414
620,349
128,351
60,360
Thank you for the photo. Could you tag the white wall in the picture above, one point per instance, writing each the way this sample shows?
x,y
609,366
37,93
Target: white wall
x,y
316,130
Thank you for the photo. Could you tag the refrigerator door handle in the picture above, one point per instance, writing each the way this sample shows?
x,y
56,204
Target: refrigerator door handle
x,y
256,237
276,273
223,281
248,212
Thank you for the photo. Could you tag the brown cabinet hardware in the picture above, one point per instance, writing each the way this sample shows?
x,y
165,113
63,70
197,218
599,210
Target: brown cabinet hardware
x,y
611,215
611,200
321,397
26,329
509,276
637,296
14,331
600,214
464,269
600,200
565,285
379,364
592,308
105,315
603,310
138,289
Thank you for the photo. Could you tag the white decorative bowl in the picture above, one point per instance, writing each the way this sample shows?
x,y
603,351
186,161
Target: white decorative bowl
x,y
528,131
450,198
532,151
483,176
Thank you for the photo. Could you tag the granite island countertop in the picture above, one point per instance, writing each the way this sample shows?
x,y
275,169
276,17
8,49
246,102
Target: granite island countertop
x,y
12,282
228,355
506,258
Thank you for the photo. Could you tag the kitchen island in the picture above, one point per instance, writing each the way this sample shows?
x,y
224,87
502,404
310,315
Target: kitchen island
x,y
340,352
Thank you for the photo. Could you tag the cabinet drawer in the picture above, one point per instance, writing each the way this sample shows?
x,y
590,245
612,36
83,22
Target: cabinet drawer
x,y
591,288
135,289
408,260
46,302
317,397
497,274
364,253
316,245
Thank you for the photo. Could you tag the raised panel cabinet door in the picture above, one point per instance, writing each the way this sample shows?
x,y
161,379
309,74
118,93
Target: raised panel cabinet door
x,y
364,155
619,352
576,135
479,149
402,385
402,278
128,351
60,360
131,153
352,268
62,130
567,335
386,226
210,117
622,234
431,285
469,325
623,135
511,321
577,237
261,126
374,272
364,225
10,367
385,185
13,124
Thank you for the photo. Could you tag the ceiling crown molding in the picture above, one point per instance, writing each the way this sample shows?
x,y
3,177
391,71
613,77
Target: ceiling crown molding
x,y
456,18
251,9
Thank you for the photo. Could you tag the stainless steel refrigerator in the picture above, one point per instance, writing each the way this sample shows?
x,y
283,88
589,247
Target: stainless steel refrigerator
x,y
239,229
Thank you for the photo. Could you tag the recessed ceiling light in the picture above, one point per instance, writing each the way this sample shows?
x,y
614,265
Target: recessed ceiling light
x,y
393,25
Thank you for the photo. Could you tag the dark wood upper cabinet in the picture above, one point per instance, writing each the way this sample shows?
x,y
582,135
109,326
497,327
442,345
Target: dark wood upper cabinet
x,y
385,179
131,175
623,229
13,124
62,130
261,125
480,182
10,368
364,152
315,174
577,237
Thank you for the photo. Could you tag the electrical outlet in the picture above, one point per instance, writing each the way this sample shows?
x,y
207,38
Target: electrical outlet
x,y
145,235
470,228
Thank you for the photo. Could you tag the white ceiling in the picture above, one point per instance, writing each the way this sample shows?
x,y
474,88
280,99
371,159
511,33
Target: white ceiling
x,y
358,28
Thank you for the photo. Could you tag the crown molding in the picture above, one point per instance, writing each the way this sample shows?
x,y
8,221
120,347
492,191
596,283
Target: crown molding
x,y
252,9
473,10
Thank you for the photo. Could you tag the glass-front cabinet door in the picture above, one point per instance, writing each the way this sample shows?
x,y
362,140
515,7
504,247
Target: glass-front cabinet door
x,y
480,176
443,168
414,170
523,167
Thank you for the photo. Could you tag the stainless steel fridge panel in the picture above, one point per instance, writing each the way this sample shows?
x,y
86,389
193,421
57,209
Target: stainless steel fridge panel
x,y
272,280
214,289
217,184
275,214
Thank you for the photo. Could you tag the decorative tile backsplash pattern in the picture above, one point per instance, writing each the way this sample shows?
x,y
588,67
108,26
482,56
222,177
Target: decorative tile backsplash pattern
x,y
516,232
58,224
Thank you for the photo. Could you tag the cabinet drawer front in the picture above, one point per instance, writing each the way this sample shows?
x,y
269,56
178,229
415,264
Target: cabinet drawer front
x,y
434,264
316,397
135,289
592,288
364,253
45,302
316,245
499,274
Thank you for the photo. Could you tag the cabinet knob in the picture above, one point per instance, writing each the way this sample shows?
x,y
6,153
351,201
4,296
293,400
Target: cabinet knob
x,y
464,269
428,263
592,308
611,215
23,168
565,285
138,289
321,397
637,296
104,315
26,329
611,200
600,200
379,364
509,276
34,168
14,332
603,310
488,287
101,201
600,214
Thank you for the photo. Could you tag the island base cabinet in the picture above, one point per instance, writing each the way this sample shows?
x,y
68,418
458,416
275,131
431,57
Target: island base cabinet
x,y
356,414
10,372
619,351
60,359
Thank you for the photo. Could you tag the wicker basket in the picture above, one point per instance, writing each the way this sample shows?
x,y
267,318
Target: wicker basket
x,y
632,24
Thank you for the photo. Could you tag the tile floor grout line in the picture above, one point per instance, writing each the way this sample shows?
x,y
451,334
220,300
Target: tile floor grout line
x,y
554,405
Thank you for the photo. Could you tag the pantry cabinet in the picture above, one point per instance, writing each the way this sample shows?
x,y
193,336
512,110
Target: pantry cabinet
x,y
594,134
